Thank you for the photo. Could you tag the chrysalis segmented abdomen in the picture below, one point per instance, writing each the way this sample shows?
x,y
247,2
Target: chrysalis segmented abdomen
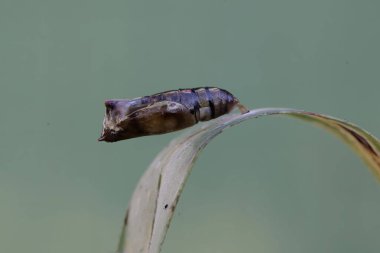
x,y
205,102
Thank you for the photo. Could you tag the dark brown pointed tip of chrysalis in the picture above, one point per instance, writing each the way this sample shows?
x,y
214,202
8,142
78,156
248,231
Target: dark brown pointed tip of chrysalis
x,y
109,136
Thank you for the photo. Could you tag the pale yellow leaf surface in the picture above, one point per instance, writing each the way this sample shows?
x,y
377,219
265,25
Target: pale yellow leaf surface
x,y
154,200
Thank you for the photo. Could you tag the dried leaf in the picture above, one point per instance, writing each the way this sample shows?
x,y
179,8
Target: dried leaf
x,y
155,198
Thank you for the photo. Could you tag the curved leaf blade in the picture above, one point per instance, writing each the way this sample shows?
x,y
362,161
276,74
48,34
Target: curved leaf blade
x,y
155,198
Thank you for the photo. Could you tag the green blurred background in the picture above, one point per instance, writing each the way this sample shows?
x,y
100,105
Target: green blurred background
x,y
268,185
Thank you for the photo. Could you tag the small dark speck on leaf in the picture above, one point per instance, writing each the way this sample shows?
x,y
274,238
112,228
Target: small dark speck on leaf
x,y
48,123
166,206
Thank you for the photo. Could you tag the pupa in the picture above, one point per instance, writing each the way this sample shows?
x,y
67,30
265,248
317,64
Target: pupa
x,y
165,112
